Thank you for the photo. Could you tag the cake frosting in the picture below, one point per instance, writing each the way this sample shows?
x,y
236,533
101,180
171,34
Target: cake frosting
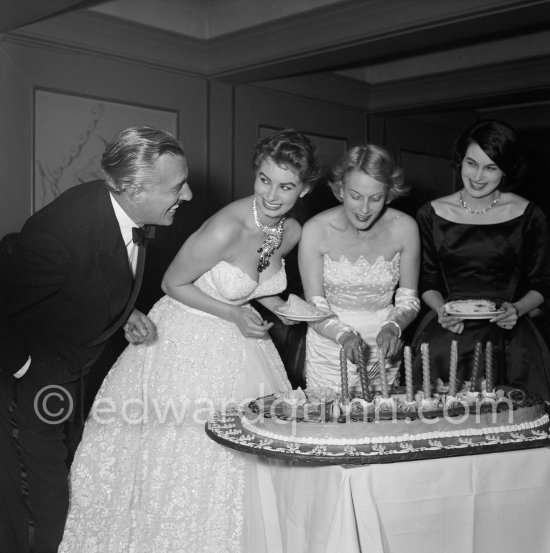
x,y
470,307
331,426
297,306
392,427
392,421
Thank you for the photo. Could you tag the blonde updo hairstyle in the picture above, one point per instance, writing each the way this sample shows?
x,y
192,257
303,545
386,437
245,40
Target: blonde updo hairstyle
x,y
375,162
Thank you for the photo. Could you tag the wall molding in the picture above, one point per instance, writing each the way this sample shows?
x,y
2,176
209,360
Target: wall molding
x,y
364,31
524,80
266,49
114,38
326,87
361,31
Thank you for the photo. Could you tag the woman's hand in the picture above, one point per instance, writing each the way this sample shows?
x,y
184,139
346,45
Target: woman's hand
x,y
351,343
388,341
139,329
450,322
509,318
250,323
274,303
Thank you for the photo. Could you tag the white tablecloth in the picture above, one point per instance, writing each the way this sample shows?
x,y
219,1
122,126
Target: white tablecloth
x,y
497,502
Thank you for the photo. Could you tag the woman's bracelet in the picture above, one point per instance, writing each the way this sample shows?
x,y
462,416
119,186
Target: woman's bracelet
x,y
342,331
390,323
516,308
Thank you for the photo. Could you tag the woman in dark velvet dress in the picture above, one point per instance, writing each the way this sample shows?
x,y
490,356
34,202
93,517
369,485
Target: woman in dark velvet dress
x,y
486,242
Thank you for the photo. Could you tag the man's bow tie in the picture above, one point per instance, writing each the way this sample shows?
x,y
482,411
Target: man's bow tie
x,y
141,234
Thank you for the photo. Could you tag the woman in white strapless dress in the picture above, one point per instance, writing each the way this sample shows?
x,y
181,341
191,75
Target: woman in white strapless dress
x,y
361,261
146,478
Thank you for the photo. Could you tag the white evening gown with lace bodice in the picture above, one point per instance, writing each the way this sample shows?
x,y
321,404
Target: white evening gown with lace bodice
x,y
146,478
360,294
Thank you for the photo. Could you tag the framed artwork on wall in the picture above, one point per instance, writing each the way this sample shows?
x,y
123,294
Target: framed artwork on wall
x,y
70,135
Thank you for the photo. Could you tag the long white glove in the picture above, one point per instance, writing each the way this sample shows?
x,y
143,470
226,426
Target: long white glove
x,y
405,309
330,328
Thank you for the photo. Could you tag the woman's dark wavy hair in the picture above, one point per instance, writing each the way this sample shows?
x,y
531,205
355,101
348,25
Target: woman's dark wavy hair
x,y
375,162
292,149
500,142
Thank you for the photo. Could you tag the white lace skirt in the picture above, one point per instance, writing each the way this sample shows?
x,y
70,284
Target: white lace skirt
x,y
146,478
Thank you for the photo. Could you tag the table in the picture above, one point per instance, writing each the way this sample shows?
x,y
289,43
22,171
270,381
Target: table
x,y
495,502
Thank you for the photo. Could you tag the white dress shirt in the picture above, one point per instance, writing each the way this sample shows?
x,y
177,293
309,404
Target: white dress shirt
x,y
126,225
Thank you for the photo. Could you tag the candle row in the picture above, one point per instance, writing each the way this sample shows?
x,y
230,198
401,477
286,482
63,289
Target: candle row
x,y
426,380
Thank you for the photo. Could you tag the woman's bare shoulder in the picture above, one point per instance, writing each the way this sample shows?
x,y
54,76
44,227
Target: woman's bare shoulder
x,y
445,201
514,199
448,207
400,220
292,230
324,219
225,224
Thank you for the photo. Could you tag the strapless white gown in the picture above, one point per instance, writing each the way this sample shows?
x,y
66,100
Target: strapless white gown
x,y
146,478
361,295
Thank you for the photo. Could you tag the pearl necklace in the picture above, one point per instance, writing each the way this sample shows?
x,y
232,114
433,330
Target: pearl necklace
x,y
478,211
274,237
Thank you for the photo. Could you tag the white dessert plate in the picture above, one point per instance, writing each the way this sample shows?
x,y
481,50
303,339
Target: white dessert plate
x,y
473,316
321,314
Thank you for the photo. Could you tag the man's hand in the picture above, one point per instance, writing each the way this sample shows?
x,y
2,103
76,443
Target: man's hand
x,y
140,329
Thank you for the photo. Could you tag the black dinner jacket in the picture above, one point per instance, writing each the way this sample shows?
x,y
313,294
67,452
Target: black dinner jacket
x,y
69,279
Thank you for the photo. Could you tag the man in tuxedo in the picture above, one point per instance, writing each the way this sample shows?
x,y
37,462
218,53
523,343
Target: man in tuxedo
x,y
71,282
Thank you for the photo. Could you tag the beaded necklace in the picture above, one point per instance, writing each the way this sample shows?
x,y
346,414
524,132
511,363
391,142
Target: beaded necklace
x,y
477,211
274,237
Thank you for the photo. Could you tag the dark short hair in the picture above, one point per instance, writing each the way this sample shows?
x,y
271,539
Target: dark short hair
x,y
129,156
500,142
373,161
292,149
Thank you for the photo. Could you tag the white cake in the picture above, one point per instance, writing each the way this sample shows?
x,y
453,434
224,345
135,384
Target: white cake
x,y
440,426
317,425
470,307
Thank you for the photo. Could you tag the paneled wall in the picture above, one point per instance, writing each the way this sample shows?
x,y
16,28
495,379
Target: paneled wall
x,y
422,145
218,124
26,67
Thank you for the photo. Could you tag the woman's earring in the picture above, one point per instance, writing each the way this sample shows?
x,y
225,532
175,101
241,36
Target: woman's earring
x,y
304,191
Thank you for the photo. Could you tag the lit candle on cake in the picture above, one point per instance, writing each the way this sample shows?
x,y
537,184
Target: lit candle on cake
x,y
489,367
363,376
452,368
344,375
425,370
383,374
408,374
475,366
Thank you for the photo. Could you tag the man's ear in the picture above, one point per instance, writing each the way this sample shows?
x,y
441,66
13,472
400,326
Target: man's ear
x,y
135,194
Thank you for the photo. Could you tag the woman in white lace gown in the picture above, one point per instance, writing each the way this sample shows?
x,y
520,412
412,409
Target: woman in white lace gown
x,y
361,261
146,478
